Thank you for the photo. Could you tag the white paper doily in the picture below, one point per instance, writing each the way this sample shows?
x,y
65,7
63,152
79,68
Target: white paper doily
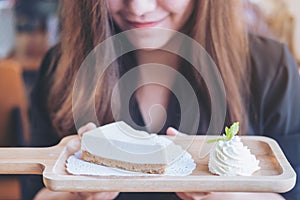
x,y
183,166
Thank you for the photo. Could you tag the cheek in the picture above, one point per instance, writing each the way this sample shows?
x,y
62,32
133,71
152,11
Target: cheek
x,y
180,11
114,8
177,6
114,5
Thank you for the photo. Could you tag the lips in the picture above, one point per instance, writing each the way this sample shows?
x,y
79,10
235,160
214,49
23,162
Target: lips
x,y
146,24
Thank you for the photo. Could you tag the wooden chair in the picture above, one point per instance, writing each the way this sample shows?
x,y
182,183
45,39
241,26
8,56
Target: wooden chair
x,y
12,98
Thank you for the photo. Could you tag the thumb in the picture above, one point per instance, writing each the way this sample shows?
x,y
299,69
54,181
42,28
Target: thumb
x,y
89,126
74,145
173,132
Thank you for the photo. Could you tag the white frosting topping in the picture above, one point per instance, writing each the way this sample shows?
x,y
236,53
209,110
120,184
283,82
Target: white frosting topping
x,y
118,141
232,158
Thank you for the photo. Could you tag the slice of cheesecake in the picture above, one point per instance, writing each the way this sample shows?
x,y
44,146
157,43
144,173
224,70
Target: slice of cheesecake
x,y
118,145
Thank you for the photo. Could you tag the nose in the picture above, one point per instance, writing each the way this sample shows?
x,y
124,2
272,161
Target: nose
x,y
141,7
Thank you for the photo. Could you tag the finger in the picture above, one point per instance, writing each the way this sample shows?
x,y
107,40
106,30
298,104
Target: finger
x,y
89,126
183,196
105,195
73,145
83,195
197,195
174,132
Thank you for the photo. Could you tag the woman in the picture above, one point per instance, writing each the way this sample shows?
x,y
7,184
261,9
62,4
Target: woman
x,y
260,79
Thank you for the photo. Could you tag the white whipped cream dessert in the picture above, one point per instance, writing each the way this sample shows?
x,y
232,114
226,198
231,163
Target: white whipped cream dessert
x,y
232,158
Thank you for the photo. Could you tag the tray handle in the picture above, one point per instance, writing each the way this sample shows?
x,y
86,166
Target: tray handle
x,y
22,160
30,160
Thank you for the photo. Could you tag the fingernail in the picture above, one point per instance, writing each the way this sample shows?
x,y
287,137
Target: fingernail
x,y
174,130
80,130
91,125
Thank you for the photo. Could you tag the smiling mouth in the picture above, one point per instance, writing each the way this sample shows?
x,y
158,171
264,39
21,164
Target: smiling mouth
x,y
136,24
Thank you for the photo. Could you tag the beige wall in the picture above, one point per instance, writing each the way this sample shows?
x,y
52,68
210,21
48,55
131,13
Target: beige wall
x,y
295,7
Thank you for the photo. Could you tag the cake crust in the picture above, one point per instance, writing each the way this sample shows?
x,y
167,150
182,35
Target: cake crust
x,y
145,168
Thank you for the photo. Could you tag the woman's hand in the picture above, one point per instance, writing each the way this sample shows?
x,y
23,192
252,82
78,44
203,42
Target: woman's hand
x,y
96,195
46,194
86,128
192,195
187,195
73,146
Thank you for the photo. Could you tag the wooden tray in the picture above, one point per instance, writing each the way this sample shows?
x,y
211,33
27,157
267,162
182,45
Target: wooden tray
x,y
275,175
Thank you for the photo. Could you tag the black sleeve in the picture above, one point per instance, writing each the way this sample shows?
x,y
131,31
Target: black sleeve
x,y
281,118
41,131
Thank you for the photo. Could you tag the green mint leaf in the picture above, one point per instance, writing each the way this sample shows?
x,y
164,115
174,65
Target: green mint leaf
x,y
215,140
234,129
229,133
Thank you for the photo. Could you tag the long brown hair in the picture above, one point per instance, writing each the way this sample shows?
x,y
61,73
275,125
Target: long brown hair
x,y
86,23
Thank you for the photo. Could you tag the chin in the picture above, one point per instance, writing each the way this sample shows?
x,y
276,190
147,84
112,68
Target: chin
x,y
145,38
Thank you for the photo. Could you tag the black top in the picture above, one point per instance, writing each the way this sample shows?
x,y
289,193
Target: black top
x,y
274,110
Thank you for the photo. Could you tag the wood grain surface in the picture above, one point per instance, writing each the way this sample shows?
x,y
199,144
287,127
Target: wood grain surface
x,y
275,175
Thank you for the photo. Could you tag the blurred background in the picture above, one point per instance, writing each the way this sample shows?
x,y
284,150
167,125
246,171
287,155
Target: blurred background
x,y
28,28
276,19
